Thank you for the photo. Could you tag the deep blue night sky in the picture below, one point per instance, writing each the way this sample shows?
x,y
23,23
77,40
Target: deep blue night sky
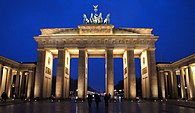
x,y
172,20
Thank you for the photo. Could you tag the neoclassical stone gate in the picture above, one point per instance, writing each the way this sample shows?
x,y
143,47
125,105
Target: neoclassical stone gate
x,y
95,41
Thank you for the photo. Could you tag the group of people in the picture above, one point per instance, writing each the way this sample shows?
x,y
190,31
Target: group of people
x,y
97,99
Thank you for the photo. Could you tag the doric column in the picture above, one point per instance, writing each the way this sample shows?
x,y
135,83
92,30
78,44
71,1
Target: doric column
x,y
169,84
192,82
1,77
189,94
82,74
109,72
39,73
63,76
183,92
166,84
129,75
30,84
17,84
4,79
174,84
66,82
152,73
60,73
23,81
162,84
9,82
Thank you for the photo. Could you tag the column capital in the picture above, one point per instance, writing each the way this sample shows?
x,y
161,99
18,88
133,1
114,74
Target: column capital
x,y
151,49
130,49
30,71
60,48
183,67
81,48
109,48
161,71
41,49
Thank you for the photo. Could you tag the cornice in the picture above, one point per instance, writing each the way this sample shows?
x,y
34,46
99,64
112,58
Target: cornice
x,y
180,63
8,62
185,61
92,29
16,65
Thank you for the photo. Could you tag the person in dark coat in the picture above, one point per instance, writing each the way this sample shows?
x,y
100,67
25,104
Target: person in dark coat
x,y
106,99
89,100
4,96
97,100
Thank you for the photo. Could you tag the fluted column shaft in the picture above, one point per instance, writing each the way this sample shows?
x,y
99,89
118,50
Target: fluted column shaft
x,y
60,73
82,74
109,72
183,92
30,84
162,84
131,74
174,84
39,73
1,77
9,82
192,81
152,73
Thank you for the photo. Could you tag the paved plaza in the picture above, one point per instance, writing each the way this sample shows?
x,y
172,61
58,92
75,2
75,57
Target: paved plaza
x,y
122,107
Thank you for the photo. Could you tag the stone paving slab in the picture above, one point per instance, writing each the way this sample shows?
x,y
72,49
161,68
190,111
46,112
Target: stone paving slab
x,y
82,107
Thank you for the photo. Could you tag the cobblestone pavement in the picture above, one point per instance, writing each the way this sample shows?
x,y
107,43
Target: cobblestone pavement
x,y
71,107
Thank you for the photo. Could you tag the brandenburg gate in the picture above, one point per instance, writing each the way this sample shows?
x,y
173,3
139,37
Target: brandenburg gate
x,y
95,39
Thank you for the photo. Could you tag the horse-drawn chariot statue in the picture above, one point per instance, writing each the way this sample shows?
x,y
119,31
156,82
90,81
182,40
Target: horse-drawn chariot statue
x,y
95,18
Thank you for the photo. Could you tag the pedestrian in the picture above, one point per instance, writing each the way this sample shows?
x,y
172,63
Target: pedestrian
x,y
106,99
4,96
89,98
97,100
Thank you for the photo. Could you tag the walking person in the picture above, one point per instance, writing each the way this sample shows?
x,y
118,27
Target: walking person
x,y
97,100
106,99
89,99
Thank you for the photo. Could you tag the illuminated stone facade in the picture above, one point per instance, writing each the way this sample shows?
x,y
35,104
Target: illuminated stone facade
x,y
95,41
17,78
177,79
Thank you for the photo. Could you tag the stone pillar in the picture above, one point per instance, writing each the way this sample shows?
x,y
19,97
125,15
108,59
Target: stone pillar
x,y
1,77
63,76
60,73
39,73
183,92
86,73
166,84
22,88
66,84
192,82
9,83
174,94
82,74
30,84
149,74
162,84
189,93
4,79
17,83
169,84
109,72
129,75
47,77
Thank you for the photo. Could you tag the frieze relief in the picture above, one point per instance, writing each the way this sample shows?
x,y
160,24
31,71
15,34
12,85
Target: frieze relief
x,y
96,31
96,42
